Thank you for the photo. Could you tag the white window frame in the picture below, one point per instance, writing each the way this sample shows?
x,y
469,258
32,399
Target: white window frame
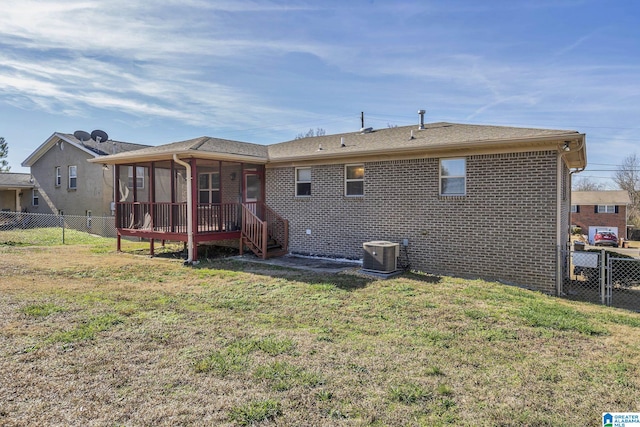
x,y
58,173
574,208
73,175
347,180
606,208
445,177
211,190
301,181
35,198
140,172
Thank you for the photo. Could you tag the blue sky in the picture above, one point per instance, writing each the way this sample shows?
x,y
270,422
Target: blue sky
x,y
154,72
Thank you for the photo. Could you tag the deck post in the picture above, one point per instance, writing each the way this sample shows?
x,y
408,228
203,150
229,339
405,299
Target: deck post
x,y
265,242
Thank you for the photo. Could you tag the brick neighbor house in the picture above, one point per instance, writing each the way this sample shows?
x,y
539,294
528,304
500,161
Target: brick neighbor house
x,y
605,209
470,200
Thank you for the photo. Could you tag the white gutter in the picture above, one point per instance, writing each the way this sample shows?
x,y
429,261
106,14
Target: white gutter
x,y
559,226
189,208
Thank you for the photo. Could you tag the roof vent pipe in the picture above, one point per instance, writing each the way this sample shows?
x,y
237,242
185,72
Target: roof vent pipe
x,y
421,112
342,144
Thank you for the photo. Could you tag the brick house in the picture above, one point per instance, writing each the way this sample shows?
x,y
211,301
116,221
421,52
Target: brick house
x,y
464,196
600,209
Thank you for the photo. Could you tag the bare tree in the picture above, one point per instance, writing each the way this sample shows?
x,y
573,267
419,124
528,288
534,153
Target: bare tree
x,y
587,184
311,132
627,176
4,152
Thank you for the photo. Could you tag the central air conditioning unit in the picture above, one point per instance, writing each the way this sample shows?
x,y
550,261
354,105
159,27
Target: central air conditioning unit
x,y
380,256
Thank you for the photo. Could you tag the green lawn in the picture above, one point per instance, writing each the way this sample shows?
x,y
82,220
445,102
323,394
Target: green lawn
x,y
89,336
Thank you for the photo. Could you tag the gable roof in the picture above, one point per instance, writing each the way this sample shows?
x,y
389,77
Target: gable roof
x,y
91,147
15,180
616,197
436,139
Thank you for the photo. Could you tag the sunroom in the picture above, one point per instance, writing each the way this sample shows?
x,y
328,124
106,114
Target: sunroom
x,y
196,191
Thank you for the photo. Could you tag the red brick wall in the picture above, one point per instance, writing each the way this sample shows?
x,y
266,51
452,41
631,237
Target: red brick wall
x,y
588,217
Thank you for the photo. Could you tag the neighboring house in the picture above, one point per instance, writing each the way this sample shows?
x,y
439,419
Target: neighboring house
x,y
476,201
65,183
604,209
16,191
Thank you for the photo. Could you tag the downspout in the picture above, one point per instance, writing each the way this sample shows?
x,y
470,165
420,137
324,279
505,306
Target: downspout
x,y
189,209
559,188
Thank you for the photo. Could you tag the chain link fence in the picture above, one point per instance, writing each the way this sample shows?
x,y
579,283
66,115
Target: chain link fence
x,y
12,223
623,283
601,277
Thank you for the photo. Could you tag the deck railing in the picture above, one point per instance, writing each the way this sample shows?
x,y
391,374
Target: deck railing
x,y
172,217
261,227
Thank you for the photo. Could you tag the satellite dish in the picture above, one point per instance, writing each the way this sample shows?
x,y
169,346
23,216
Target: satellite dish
x,y
99,135
82,135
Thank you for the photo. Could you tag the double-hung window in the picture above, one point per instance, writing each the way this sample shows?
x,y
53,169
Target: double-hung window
x,y
575,209
606,209
139,176
73,177
303,182
354,180
35,197
209,187
453,177
58,172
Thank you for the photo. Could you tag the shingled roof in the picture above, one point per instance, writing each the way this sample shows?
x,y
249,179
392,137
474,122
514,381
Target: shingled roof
x,y
91,147
409,138
105,148
15,180
434,139
203,147
614,197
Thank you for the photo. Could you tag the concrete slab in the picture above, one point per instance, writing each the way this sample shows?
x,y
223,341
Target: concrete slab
x,y
319,265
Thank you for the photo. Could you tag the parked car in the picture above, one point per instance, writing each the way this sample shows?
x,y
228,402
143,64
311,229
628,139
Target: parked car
x,y
605,238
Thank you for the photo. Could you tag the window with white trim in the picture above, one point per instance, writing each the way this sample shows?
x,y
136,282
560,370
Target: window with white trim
x,y
73,177
139,176
209,187
35,197
453,177
575,209
354,180
606,209
303,182
58,174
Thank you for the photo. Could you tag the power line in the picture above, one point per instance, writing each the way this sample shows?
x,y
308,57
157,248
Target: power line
x,y
613,170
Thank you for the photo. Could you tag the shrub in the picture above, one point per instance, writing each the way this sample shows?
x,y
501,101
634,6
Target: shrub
x,y
255,412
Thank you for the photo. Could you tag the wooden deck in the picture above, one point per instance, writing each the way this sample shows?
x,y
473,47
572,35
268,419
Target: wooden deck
x,y
254,225
168,221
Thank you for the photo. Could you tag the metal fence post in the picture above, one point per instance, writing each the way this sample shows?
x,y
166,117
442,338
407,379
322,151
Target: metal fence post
x,y
603,287
62,225
559,268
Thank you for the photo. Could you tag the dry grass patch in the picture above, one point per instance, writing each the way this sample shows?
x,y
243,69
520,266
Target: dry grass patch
x,y
98,338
